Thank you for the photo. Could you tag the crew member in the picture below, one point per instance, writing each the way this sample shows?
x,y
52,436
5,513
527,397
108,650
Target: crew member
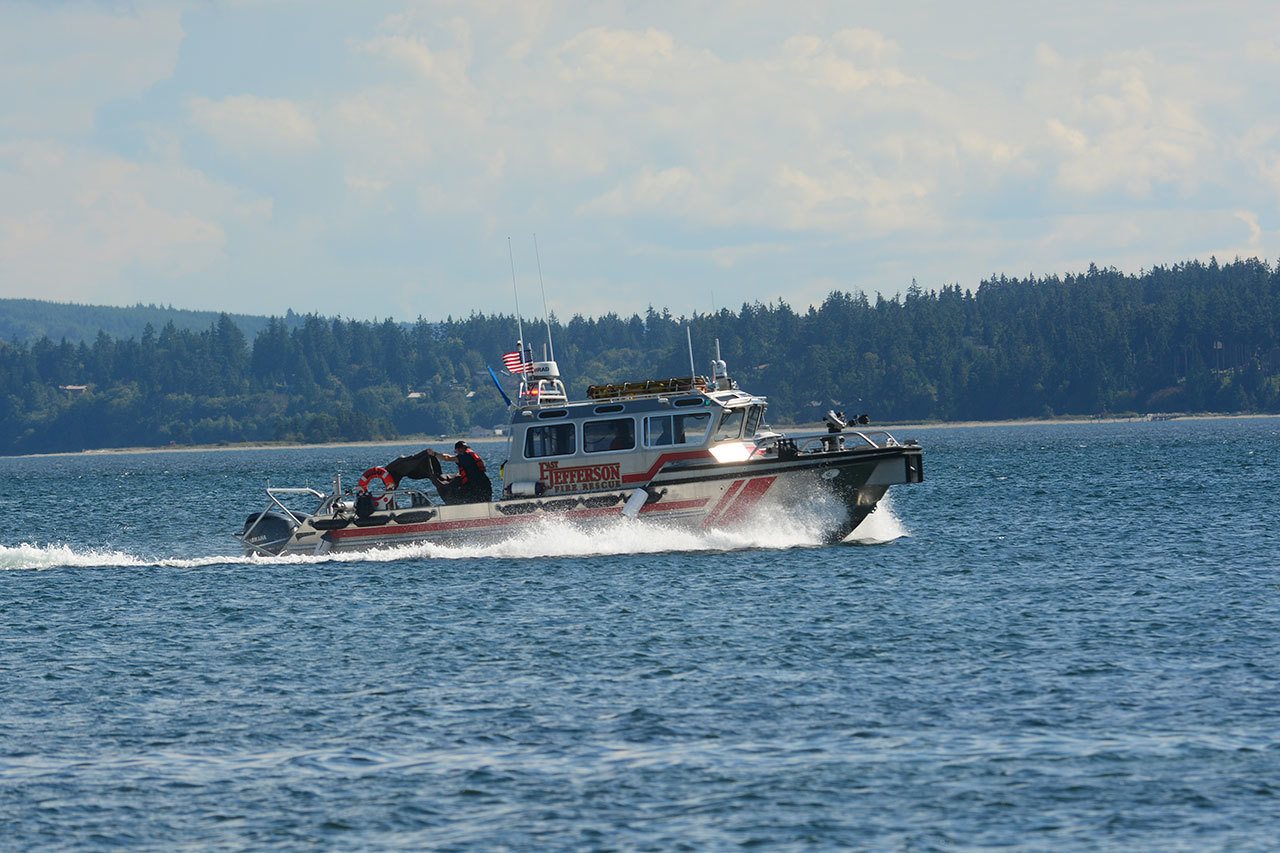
x,y
472,484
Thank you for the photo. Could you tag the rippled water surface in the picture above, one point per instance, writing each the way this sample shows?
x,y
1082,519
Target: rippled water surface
x,y
1068,637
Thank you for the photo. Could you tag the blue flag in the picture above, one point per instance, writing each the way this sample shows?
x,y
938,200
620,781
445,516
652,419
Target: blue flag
x,y
498,385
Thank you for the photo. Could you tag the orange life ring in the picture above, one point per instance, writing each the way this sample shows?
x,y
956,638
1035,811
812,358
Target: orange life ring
x,y
377,473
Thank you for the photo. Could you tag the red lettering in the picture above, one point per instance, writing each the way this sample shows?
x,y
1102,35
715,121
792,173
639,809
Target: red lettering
x,y
579,477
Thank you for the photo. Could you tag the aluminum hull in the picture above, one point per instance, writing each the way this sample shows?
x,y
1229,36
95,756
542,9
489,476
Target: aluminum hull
x,y
847,483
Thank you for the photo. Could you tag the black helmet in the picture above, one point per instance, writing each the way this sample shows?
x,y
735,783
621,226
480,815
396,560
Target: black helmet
x,y
459,445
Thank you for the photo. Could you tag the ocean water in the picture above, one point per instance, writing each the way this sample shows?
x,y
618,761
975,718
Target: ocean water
x,y
1068,637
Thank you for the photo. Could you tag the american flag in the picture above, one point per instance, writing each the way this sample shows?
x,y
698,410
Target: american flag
x,y
513,363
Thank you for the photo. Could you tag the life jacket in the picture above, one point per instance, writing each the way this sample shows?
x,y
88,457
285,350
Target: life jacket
x,y
470,466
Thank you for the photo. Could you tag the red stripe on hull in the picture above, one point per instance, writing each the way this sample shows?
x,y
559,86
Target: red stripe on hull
x,y
750,495
399,531
723,503
663,460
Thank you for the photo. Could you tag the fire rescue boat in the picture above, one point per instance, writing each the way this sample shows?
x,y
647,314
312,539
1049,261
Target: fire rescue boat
x,y
691,451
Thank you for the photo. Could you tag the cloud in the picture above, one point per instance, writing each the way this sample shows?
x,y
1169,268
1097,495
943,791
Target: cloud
x,y
759,141
77,224
251,125
1259,150
606,57
62,63
393,141
674,128
1124,123
422,124
848,61
1250,219
445,70
652,190
1263,50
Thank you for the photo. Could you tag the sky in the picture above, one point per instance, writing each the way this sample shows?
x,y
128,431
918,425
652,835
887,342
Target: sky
x,y
377,159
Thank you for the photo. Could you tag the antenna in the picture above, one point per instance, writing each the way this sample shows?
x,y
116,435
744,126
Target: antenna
x,y
546,315
693,370
720,371
516,293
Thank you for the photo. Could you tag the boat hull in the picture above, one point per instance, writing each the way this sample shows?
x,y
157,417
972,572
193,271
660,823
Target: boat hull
x,y
846,485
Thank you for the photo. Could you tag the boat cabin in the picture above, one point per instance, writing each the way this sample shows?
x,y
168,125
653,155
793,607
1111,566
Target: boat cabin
x,y
622,435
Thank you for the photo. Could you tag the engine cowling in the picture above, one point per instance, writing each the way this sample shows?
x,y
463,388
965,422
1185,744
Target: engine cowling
x,y
268,531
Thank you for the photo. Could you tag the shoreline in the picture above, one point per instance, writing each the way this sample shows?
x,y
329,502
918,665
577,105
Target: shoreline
x,y
1064,421
425,440
420,440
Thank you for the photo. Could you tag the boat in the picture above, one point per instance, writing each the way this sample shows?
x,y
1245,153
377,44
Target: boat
x,y
690,452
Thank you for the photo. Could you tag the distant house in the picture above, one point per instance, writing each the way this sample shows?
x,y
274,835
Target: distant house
x,y
73,389
415,395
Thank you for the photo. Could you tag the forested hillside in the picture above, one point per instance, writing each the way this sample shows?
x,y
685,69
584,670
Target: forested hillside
x,y
28,320
1194,337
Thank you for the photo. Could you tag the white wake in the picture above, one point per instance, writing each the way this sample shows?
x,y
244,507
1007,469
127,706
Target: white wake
x,y
880,527
550,538
32,556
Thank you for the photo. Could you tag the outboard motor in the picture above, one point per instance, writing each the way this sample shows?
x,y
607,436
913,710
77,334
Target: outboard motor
x,y
268,531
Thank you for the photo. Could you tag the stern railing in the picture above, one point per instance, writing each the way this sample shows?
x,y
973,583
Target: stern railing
x,y
827,441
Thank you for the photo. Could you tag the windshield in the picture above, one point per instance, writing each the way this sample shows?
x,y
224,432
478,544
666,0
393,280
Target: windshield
x,y
730,425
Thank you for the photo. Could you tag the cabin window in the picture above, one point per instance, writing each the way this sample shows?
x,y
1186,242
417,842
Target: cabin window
x,y
666,430
549,440
613,434
730,425
753,420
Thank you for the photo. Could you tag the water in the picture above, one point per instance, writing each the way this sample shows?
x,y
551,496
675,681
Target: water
x,y
1068,637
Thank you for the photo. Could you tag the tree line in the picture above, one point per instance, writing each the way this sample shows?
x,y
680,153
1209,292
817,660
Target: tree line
x,y
1195,336
31,319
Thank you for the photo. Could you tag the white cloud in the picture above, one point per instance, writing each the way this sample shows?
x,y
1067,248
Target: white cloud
x,y
652,190
1250,219
839,136
1263,50
1123,123
61,63
604,101
447,70
251,125
848,61
366,185
76,224
760,141
1259,150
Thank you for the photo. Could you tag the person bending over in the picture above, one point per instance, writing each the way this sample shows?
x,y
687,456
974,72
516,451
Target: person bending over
x,y
469,486
472,484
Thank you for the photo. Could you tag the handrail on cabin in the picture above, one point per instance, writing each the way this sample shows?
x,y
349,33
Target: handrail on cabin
x,y
807,439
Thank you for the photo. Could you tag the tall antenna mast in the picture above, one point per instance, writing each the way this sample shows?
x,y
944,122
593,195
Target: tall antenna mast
x,y
546,315
693,370
516,293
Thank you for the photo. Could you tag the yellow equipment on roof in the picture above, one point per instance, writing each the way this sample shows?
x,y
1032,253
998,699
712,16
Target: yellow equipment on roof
x,y
648,386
